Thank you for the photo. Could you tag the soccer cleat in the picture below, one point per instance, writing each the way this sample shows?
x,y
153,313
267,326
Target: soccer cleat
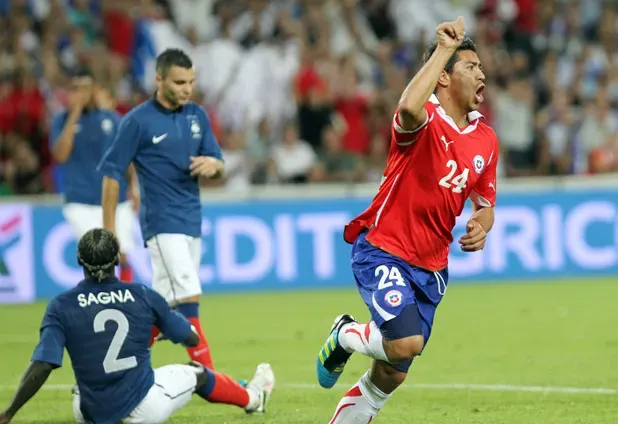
x,y
262,384
332,357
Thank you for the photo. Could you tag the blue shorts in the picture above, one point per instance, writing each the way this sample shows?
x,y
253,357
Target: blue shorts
x,y
389,284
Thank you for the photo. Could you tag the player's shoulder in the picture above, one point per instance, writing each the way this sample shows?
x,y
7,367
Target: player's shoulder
x,y
144,109
63,301
487,131
196,109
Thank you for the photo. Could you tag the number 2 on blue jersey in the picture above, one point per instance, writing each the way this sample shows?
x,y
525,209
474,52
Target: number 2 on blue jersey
x,y
111,362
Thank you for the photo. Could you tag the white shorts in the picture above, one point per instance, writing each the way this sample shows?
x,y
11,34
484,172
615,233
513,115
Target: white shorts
x,y
175,266
174,385
83,218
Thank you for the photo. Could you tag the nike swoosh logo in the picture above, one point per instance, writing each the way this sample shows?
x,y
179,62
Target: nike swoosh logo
x,y
158,139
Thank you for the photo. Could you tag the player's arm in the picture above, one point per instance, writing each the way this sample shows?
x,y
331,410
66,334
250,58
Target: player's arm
x,y
172,325
484,215
483,199
114,166
32,381
46,357
133,183
411,110
62,135
209,163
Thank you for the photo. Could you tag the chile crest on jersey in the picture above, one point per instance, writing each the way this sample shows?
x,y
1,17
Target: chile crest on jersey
x,y
459,155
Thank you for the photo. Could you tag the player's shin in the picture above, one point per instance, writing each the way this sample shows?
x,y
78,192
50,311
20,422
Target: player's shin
x,y
363,338
126,273
200,353
360,404
220,388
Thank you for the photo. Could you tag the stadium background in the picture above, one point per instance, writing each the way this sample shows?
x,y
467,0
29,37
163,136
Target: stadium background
x,y
301,95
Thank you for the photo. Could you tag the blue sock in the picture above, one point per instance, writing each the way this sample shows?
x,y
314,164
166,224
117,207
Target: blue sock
x,y
188,310
206,389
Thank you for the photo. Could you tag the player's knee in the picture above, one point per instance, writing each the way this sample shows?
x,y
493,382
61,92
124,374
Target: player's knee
x,y
202,377
402,350
385,377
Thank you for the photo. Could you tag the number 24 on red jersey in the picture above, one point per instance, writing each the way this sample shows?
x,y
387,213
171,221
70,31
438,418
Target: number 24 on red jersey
x,y
460,160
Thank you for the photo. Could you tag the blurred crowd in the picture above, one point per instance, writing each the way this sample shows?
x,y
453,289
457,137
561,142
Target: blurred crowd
x,y
305,90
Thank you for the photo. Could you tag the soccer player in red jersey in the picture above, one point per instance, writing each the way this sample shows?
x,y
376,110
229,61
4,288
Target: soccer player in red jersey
x,y
441,154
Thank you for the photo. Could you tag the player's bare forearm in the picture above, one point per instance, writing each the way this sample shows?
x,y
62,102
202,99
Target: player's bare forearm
x,y
64,145
219,172
484,216
132,179
131,176
411,108
33,379
207,167
109,202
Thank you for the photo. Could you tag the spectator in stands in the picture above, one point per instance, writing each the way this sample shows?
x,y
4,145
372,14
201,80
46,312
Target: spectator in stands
x,y
237,164
259,146
555,130
514,122
324,63
293,160
21,169
339,166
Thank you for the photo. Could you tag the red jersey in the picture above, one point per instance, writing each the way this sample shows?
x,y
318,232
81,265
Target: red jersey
x,y
430,172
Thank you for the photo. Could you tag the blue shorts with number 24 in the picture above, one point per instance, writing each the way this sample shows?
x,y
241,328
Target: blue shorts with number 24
x,y
388,284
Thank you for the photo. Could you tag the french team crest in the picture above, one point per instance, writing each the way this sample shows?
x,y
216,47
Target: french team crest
x,y
196,131
478,163
107,125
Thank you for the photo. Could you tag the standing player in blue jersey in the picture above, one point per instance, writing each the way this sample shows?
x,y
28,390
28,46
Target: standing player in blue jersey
x,y
105,325
171,144
78,139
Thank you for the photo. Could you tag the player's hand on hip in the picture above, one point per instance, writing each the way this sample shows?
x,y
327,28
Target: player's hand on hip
x,y
475,237
451,34
204,166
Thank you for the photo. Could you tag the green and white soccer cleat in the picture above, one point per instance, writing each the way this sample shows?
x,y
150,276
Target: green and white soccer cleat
x,y
332,357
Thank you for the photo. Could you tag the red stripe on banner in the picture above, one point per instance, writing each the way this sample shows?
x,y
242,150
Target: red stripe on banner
x,y
11,225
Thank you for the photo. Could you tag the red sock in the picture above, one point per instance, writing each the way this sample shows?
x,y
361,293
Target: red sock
x,y
200,353
227,390
126,274
153,335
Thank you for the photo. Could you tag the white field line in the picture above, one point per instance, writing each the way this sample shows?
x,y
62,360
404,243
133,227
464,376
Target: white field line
x,y
468,387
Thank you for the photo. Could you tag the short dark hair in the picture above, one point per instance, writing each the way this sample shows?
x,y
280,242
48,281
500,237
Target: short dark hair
x,y
172,57
466,44
98,253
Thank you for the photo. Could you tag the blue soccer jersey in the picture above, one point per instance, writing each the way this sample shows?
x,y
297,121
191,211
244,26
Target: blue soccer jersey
x,y
94,133
105,327
160,142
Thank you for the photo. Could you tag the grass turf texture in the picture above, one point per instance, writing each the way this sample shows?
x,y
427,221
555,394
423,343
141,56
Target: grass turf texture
x,y
505,337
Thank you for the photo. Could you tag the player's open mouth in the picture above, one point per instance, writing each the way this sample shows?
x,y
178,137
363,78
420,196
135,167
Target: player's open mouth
x,y
478,96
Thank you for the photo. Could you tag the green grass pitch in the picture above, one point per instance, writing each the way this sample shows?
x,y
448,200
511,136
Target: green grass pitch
x,y
494,346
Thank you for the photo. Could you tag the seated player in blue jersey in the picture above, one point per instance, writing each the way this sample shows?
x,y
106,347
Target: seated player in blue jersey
x,y
105,326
